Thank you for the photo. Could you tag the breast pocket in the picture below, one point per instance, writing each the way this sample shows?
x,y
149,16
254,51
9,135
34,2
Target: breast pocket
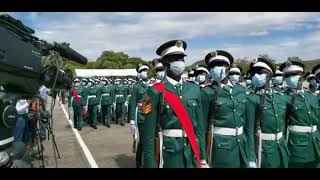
x,y
241,104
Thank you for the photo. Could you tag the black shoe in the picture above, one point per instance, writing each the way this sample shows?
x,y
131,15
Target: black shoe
x,y
108,125
122,124
95,127
79,129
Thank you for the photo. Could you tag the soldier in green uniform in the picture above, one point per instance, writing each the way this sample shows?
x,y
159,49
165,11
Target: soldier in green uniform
x,y
303,120
270,148
91,104
203,78
106,102
130,91
226,115
180,147
120,100
136,115
77,106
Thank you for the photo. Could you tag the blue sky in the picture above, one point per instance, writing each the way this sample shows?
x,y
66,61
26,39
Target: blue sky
x,y
278,34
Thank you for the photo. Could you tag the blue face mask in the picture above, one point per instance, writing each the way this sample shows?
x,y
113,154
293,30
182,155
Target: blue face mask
x,y
177,67
278,80
259,80
218,73
160,75
144,75
234,78
201,78
248,82
293,81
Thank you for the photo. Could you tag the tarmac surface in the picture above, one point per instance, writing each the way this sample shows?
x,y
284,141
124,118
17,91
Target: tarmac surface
x,y
105,147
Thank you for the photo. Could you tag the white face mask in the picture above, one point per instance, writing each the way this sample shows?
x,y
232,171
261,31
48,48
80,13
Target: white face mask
x,y
177,67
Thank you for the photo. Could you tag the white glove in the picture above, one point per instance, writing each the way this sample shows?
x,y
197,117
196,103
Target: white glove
x,y
204,164
133,127
99,107
126,103
252,164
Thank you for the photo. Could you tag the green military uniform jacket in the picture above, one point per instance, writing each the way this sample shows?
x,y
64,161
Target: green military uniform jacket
x,y
93,91
107,95
206,97
229,151
122,93
177,152
139,93
275,154
304,147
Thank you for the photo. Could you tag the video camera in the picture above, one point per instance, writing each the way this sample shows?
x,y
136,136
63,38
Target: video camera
x,y
22,71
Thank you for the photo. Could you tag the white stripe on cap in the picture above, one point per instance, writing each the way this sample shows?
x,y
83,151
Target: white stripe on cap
x,y
317,72
171,50
143,67
219,57
279,72
310,75
292,68
235,70
263,65
203,69
159,65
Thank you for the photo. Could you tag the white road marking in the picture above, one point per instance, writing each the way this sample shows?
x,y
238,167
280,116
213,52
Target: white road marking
x,y
84,147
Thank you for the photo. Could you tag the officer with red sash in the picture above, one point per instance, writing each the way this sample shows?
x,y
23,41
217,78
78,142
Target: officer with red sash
x,y
173,112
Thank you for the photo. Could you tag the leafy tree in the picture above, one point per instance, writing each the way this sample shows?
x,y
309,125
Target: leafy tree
x,y
294,58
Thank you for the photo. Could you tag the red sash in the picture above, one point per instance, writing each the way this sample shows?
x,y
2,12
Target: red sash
x,y
75,95
183,117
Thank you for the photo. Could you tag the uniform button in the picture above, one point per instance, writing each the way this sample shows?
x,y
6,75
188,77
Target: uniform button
x,y
219,145
272,103
309,112
276,115
278,141
234,110
298,142
238,140
185,144
168,107
180,97
164,147
231,97
277,130
194,104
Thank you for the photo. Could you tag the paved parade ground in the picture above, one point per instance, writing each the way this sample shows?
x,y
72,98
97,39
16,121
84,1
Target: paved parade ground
x,y
103,147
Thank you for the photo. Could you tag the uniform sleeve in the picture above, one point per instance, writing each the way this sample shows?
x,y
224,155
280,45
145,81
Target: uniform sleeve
x,y
149,131
133,103
250,113
200,129
69,98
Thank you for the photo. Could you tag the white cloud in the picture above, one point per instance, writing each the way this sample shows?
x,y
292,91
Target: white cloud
x,y
259,33
139,34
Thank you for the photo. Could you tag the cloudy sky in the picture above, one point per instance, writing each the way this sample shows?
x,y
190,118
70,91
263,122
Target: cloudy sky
x,y
279,34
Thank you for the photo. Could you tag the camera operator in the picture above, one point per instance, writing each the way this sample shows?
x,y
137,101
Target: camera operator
x,y
21,133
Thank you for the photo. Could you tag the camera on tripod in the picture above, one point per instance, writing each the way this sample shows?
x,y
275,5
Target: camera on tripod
x,y
22,70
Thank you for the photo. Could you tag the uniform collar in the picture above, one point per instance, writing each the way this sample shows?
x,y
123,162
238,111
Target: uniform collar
x,y
173,82
229,84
